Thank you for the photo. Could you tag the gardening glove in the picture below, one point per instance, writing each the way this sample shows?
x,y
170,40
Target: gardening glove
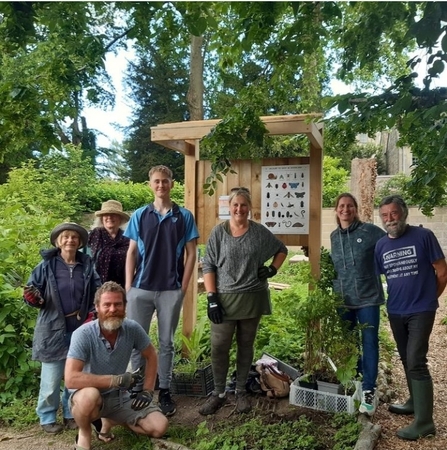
x,y
32,296
125,381
215,310
142,400
266,272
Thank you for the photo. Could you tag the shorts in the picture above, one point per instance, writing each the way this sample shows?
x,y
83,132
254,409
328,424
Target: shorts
x,y
116,406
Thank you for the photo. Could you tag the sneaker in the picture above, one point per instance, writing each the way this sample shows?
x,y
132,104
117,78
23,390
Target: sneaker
x,y
213,403
369,403
53,428
70,424
243,404
167,405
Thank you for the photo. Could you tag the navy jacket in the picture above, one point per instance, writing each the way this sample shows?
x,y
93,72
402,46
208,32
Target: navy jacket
x,y
50,341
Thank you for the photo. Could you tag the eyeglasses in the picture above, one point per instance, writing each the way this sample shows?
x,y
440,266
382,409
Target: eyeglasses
x,y
243,189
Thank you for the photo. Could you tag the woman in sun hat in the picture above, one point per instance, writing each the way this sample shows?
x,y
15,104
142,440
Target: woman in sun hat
x,y
63,287
107,243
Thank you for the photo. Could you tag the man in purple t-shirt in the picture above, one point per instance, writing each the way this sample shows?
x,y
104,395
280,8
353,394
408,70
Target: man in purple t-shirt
x,y
416,273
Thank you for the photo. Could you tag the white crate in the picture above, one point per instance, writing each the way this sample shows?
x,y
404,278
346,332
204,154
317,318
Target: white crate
x,y
324,401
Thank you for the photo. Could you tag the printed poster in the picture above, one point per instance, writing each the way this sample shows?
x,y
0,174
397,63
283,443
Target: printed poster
x,y
285,199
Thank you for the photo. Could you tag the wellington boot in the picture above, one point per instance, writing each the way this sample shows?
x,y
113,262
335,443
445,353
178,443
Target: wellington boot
x,y
422,424
408,407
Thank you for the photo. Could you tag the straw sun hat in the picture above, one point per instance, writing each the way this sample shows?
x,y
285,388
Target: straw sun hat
x,y
112,207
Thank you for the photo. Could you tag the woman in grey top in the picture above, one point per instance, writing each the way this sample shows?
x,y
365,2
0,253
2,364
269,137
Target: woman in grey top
x,y
235,279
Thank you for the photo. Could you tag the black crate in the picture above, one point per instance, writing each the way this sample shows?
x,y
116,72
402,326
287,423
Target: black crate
x,y
197,384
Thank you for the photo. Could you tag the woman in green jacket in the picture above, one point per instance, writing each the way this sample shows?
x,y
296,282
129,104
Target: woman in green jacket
x,y
352,252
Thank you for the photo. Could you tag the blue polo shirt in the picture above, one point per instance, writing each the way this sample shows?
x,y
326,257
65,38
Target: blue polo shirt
x,y
161,243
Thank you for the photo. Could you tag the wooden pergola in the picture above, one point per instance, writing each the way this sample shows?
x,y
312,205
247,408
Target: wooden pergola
x,y
184,137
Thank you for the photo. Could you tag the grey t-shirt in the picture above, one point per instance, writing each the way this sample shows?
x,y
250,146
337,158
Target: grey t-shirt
x,y
236,260
89,345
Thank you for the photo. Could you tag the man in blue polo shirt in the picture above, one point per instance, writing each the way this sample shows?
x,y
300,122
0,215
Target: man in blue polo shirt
x,y
159,265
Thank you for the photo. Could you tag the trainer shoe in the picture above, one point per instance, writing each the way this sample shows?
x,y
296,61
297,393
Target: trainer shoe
x,y
53,428
213,403
243,404
167,405
369,403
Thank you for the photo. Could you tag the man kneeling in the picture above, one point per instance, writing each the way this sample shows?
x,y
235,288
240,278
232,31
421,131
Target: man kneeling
x,y
96,369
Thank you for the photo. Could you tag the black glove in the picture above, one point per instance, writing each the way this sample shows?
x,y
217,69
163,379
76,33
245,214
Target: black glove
x,y
125,381
266,272
142,400
32,296
215,310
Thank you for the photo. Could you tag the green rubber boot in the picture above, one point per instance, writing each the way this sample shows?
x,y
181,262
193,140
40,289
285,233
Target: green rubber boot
x,y
422,424
408,407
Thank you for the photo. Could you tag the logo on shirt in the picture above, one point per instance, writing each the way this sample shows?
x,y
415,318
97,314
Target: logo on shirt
x,y
400,253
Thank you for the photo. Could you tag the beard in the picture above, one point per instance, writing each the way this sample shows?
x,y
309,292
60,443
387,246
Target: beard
x,y
112,323
396,228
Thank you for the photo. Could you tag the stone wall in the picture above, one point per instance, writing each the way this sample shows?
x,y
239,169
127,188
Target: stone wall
x,y
437,223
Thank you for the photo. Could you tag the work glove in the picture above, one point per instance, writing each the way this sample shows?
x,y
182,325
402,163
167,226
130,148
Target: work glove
x,y
32,296
215,310
142,400
266,272
125,381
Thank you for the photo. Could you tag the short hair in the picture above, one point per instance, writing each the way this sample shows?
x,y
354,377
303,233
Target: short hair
x,y
109,286
397,200
163,169
354,200
68,233
243,192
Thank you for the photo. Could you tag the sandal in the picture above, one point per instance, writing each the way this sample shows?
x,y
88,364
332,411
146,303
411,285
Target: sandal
x,y
78,447
103,437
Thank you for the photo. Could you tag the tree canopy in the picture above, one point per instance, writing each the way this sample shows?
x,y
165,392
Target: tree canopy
x,y
258,58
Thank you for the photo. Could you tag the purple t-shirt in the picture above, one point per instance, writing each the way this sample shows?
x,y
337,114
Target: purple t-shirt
x,y
407,262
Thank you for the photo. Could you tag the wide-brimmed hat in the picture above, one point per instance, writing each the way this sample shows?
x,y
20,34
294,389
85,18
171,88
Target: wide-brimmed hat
x,y
71,226
112,207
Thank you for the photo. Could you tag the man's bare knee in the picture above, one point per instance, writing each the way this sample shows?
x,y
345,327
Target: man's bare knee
x,y
86,401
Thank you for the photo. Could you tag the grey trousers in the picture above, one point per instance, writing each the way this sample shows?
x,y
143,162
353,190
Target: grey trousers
x,y
141,306
221,340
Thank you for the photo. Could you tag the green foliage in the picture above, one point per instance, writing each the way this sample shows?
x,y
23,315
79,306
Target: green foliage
x,y
22,236
397,184
254,434
59,185
131,195
335,180
348,431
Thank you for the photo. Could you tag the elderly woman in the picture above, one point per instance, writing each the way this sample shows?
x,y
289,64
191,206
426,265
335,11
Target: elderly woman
x,y
63,287
235,277
107,243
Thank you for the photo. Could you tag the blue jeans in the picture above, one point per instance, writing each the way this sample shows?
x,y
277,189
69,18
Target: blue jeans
x,y
50,392
412,334
369,360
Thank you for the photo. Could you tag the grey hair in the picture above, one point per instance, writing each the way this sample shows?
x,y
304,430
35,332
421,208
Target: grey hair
x,y
97,223
397,200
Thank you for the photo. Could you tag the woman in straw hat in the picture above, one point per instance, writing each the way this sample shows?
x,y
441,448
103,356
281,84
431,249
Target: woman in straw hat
x,y
107,243
63,287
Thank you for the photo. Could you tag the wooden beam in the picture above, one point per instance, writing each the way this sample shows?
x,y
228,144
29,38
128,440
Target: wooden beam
x,y
178,145
276,125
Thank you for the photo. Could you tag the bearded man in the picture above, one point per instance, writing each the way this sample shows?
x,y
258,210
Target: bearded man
x,y
416,274
96,369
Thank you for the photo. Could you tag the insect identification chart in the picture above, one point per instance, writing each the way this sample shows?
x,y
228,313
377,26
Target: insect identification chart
x,y
285,199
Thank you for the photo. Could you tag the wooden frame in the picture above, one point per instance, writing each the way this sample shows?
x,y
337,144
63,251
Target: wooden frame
x,y
184,137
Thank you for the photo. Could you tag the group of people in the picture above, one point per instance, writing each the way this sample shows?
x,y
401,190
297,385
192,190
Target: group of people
x,y
109,365
415,270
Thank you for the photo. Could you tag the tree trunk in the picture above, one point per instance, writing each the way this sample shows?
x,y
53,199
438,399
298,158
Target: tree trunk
x,y
195,91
